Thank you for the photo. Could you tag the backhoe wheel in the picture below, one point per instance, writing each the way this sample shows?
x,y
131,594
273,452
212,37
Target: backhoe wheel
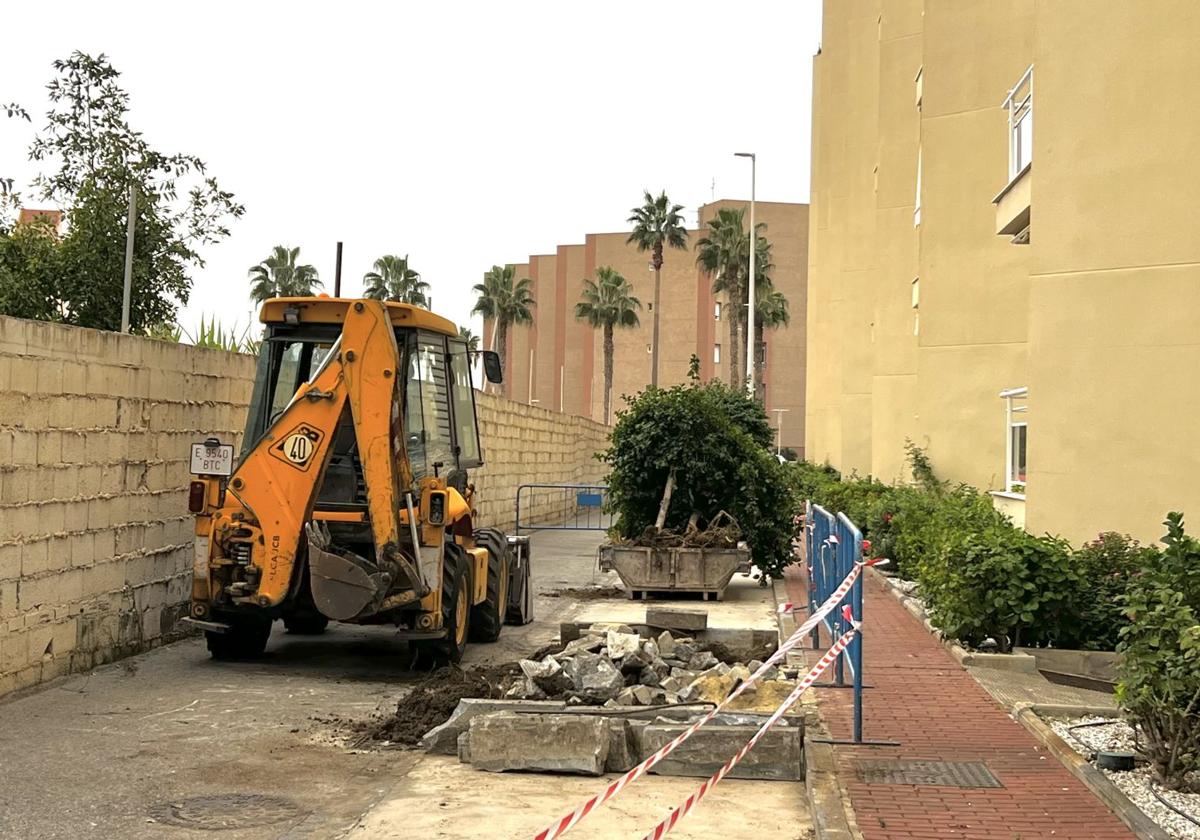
x,y
305,624
246,639
456,615
487,618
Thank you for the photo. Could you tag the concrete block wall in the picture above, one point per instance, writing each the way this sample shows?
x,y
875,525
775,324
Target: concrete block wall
x,y
525,444
95,536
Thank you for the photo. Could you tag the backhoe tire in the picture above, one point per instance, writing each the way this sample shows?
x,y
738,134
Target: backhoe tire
x,y
246,639
456,615
305,624
487,618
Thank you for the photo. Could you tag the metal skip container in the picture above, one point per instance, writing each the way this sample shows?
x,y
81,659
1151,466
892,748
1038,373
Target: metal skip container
x,y
644,569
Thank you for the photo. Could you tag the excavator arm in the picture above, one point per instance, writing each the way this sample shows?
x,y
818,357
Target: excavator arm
x,y
274,488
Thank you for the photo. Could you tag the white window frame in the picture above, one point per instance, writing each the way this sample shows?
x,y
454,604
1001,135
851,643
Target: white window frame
x,y
1019,104
717,311
716,354
1011,396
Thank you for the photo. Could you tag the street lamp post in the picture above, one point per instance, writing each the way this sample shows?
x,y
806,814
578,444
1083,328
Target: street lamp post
x,y
779,412
750,291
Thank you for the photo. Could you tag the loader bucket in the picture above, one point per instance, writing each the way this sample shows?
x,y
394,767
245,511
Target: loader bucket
x,y
343,584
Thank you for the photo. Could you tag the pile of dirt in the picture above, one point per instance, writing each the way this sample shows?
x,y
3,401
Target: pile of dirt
x,y
585,593
431,703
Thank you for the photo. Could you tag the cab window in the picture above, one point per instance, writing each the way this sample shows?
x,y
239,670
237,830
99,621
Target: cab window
x,y
427,407
466,429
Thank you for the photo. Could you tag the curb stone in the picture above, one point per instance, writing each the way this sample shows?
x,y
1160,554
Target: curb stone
x,y
1027,714
832,814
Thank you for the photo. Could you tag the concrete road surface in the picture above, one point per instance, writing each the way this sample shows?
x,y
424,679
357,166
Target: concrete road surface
x,y
172,746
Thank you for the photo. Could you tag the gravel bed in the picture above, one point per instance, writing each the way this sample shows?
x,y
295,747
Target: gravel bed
x,y
1118,735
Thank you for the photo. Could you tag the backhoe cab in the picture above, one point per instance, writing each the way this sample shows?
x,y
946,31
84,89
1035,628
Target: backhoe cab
x,y
351,499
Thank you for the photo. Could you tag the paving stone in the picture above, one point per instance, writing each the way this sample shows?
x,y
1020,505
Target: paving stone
x,y
548,743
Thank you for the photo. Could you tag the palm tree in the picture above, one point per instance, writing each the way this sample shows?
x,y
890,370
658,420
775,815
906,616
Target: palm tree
x,y
656,224
470,338
392,279
606,303
772,313
724,255
279,276
506,301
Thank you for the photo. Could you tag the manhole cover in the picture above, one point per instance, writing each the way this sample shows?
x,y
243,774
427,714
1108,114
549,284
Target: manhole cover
x,y
225,811
960,774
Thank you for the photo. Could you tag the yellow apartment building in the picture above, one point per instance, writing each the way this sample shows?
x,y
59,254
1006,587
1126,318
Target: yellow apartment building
x,y
558,361
1004,260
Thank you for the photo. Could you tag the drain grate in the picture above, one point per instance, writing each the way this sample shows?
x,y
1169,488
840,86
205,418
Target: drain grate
x,y
226,811
960,774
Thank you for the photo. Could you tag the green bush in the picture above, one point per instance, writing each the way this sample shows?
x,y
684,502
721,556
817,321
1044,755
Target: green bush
x,y
1105,567
999,583
1159,686
716,440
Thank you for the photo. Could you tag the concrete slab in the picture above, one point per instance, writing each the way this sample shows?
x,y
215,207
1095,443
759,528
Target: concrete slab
x,y
747,606
440,798
778,756
550,743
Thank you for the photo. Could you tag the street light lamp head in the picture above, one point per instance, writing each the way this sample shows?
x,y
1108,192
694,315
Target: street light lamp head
x,y
743,154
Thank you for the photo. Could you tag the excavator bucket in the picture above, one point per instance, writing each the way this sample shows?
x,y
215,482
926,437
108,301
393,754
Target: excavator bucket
x,y
344,585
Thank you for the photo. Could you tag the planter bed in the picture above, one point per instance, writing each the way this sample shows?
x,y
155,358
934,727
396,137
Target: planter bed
x,y
1084,738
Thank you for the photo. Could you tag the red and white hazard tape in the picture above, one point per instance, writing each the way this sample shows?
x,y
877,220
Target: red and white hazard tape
x,y
572,819
811,677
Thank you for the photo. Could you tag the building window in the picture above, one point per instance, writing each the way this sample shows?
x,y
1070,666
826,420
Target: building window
x,y
917,202
1016,444
717,311
716,354
1019,104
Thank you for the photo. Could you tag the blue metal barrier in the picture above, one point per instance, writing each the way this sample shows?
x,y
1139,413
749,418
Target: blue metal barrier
x,y
833,545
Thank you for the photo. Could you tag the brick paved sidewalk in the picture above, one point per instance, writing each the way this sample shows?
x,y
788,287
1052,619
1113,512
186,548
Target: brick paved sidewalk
x,y
925,700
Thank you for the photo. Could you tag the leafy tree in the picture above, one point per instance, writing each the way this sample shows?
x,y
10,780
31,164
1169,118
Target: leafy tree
x,y
94,159
470,338
506,301
608,302
30,265
280,276
772,313
712,437
657,224
392,279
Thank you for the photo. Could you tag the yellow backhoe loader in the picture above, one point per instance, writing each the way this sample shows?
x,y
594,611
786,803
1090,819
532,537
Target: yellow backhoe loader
x,y
351,499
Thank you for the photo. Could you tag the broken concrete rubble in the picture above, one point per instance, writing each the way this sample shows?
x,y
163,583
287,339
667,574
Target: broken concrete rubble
x,y
621,645
595,677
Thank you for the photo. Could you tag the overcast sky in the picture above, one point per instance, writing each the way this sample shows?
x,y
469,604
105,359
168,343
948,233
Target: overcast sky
x,y
460,133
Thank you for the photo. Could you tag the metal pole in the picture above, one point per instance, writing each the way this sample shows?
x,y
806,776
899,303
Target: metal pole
x,y
751,303
779,412
129,230
337,273
654,336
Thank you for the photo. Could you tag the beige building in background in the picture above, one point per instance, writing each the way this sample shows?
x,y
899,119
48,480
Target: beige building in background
x,y
958,253
558,362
